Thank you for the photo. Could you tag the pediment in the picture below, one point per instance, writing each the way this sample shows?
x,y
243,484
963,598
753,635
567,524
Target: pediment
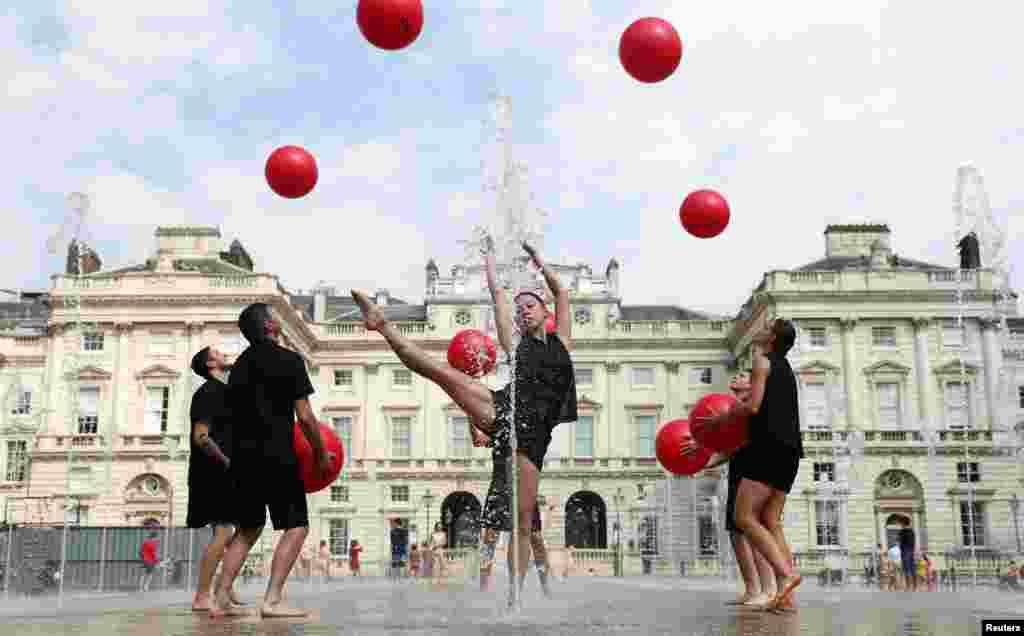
x,y
953,368
90,372
157,371
887,366
818,367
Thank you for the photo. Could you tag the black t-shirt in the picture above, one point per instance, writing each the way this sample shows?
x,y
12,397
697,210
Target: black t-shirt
x,y
265,382
907,541
209,405
399,539
545,386
778,420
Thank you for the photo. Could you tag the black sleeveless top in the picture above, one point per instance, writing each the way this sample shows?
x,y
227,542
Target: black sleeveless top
x,y
545,386
778,421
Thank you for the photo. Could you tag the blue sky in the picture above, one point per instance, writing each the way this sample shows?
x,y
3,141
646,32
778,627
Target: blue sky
x,y
800,114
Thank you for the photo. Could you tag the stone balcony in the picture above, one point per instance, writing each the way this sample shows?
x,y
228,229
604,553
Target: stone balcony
x,y
623,329
185,283
100,444
886,280
885,438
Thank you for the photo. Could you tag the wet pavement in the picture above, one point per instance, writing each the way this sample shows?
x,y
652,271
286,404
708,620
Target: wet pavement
x,y
582,606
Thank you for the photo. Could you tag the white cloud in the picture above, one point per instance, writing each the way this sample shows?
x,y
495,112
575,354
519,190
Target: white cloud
x,y
461,205
29,84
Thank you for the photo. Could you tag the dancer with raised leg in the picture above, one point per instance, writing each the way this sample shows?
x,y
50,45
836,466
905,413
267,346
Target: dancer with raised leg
x,y
208,483
544,385
269,389
772,458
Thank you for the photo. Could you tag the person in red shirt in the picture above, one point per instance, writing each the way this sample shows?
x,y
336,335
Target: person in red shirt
x,y
353,557
148,554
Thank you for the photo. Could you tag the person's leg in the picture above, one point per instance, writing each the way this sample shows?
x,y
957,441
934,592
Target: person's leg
x,y
529,478
208,565
767,578
474,398
234,557
488,546
751,498
771,517
289,512
745,561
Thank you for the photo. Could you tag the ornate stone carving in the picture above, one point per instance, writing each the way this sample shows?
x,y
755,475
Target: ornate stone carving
x,y
613,367
990,322
848,322
124,327
921,322
372,368
672,366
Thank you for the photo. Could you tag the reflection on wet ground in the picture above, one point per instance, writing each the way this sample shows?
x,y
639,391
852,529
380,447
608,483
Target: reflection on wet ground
x,y
582,607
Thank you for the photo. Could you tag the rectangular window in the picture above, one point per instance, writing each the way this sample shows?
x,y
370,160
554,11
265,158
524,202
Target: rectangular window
x,y
458,436
952,334
584,377
583,445
401,378
158,399
399,494
644,435
824,471
401,436
957,415
816,406
88,410
339,537
888,405
972,523
343,377
826,524
92,341
1020,397
883,336
17,461
22,403
968,472
339,494
343,427
643,376
817,337
701,375
161,345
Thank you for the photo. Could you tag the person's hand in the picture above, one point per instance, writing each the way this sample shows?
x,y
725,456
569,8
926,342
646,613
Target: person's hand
x,y
714,422
688,447
322,463
480,439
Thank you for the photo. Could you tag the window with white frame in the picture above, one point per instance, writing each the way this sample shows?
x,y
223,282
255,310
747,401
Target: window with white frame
x,y
644,426
888,394
827,523
972,523
339,494
158,400
160,344
1020,396
401,378
401,436
883,337
816,405
824,471
968,472
957,413
817,337
343,378
701,375
343,427
22,402
583,436
643,376
88,410
584,377
952,334
458,436
17,461
707,530
399,494
338,541
92,341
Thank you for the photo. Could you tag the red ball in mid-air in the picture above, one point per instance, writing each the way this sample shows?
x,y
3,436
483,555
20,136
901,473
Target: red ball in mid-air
x,y
472,353
291,172
668,444
650,50
550,324
304,454
390,24
728,437
704,213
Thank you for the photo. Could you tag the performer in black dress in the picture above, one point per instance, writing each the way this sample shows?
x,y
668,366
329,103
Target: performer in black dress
x,y
545,386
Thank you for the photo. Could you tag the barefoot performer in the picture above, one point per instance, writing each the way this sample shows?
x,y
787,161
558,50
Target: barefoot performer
x,y
208,483
545,386
772,458
269,388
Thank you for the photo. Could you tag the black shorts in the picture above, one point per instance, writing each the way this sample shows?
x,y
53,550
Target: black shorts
x,y
909,563
775,465
496,514
209,507
735,474
532,440
278,489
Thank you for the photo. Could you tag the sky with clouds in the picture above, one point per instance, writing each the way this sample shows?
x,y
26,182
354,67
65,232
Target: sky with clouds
x,y
801,113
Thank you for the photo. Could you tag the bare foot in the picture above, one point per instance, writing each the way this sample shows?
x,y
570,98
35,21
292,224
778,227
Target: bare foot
x,y
760,601
276,610
202,603
741,600
786,587
222,606
372,315
235,600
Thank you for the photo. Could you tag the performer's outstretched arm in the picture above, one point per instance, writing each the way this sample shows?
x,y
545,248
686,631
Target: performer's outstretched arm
x,y
563,321
502,309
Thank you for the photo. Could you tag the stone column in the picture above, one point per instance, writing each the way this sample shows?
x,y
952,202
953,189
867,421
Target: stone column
x,y
991,355
921,368
193,336
611,376
366,424
848,326
122,331
54,381
672,369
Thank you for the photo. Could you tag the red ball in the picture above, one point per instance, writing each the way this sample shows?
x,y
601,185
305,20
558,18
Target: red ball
x,y
550,324
304,453
668,444
704,213
472,353
726,438
390,24
291,172
650,50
